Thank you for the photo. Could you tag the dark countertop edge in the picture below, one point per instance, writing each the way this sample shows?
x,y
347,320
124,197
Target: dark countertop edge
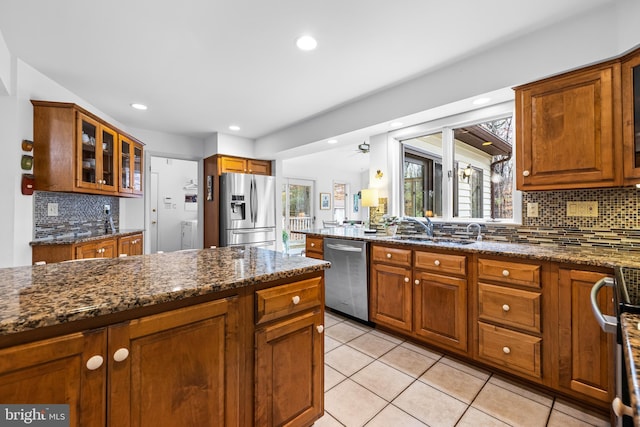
x,y
56,318
71,240
587,256
631,349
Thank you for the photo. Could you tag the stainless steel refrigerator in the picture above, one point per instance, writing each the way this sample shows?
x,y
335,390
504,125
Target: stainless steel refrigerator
x,y
247,210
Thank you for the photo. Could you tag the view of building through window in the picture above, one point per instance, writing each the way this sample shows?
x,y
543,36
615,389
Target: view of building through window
x,y
481,183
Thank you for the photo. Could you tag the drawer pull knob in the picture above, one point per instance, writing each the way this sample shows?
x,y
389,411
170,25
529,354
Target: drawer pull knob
x,y
505,273
320,329
120,354
295,300
525,173
406,280
436,262
94,362
417,282
389,256
505,307
506,350
313,245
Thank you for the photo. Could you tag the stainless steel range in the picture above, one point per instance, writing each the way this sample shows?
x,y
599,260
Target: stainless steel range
x,y
627,299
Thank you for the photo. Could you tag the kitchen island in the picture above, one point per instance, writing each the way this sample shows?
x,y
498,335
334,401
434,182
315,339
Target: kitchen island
x,y
197,337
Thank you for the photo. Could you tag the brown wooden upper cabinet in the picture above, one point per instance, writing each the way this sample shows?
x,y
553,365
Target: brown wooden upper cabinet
x,y
631,116
580,129
566,130
242,165
76,151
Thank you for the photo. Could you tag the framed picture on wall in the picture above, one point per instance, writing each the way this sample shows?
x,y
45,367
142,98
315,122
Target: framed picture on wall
x,y
325,201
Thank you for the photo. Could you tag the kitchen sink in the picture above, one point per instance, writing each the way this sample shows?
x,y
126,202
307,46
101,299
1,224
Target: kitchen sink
x,y
435,240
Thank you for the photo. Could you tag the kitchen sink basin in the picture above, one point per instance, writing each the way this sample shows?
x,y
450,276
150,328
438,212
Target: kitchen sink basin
x,y
435,240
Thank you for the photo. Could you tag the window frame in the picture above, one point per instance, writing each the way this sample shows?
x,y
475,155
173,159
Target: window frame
x,y
446,126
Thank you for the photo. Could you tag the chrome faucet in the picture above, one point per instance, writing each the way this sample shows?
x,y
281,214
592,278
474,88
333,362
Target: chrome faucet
x,y
475,224
428,227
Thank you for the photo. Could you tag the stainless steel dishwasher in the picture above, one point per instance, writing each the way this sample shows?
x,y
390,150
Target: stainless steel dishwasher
x,y
346,288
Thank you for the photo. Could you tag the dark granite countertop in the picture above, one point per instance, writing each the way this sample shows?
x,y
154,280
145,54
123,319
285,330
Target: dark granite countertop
x,y
581,255
52,294
81,236
631,348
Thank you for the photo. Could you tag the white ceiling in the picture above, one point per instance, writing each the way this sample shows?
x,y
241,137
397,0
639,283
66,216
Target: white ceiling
x,y
202,65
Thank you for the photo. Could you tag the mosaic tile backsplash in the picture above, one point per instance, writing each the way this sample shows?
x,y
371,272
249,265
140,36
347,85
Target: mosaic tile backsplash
x,y
617,225
77,213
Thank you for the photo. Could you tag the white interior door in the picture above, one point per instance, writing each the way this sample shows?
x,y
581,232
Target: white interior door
x,y
153,215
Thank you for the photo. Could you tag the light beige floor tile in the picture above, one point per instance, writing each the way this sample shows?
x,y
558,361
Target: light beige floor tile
x,y
330,319
429,405
392,416
346,360
358,325
407,361
465,367
580,413
372,345
511,407
343,332
387,336
452,381
383,380
330,344
559,419
529,393
475,418
422,350
331,377
351,404
327,421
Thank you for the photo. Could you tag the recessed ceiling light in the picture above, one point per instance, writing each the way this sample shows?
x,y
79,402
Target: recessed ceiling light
x,y
332,141
481,101
139,106
234,127
306,43
396,124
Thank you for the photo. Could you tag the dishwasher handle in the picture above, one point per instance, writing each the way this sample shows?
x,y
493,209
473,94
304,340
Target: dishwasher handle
x,y
343,248
608,324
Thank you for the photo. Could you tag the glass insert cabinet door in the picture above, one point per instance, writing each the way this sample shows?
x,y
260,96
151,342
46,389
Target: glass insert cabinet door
x,y
130,166
96,155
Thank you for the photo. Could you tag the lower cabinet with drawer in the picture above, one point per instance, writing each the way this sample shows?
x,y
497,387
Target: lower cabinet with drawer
x,y
289,357
313,247
509,322
422,293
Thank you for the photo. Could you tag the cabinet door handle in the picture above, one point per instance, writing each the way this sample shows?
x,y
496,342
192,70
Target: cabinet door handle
x,y
389,256
120,354
406,280
437,262
525,173
295,300
417,282
320,329
94,362
505,307
505,273
506,350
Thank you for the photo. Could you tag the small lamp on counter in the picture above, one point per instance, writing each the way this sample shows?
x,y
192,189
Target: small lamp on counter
x,y
369,200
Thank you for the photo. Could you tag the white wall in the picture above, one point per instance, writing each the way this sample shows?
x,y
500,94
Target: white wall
x,y
5,68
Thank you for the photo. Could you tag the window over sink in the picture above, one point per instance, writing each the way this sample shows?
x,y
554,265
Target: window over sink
x,y
460,167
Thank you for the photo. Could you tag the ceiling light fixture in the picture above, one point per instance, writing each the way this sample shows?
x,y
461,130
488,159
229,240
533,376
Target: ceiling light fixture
x,y
481,101
306,43
234,128
138,106
332,141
